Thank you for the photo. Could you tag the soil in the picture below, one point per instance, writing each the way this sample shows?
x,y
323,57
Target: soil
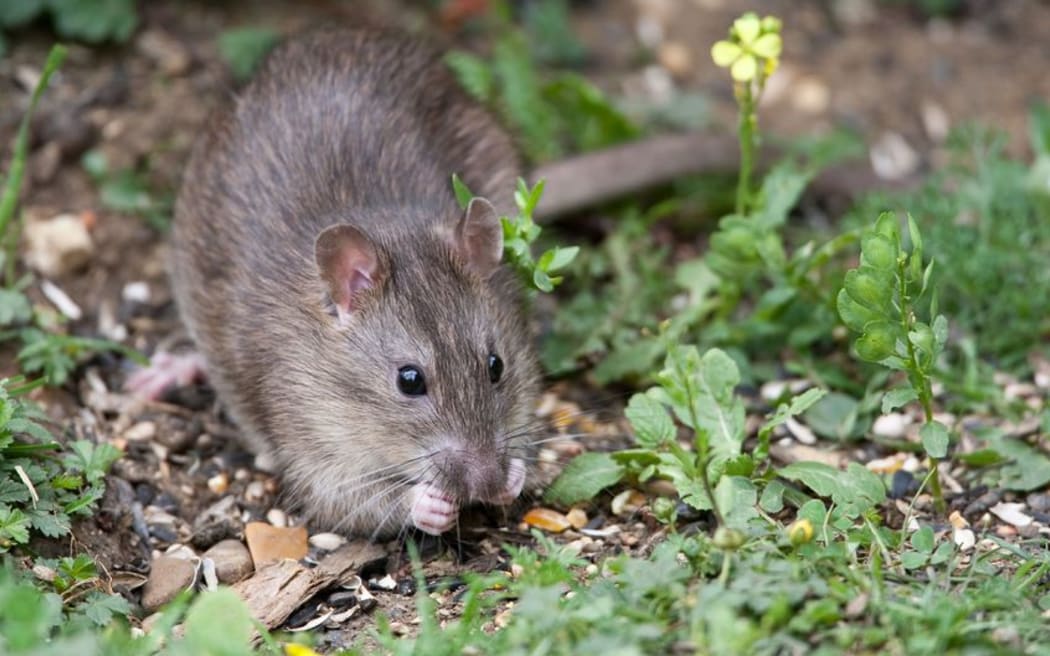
x,y
876,68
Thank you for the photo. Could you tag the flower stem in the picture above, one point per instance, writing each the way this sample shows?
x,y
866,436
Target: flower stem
x,y
746,132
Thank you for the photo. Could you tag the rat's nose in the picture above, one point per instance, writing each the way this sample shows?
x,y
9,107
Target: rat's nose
x,y
478,479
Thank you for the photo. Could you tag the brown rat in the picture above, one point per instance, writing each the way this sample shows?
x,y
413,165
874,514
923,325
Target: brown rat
x,y
358,324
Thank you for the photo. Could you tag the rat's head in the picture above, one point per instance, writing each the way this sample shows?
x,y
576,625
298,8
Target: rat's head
x,y
436,377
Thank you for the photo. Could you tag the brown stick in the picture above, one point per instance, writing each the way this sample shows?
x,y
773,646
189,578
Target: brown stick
x,y
586,180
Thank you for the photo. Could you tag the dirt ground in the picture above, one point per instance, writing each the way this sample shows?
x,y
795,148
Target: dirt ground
x,y
895,76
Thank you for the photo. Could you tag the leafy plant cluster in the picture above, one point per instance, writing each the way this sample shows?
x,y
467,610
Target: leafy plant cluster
x,y
43,349
782,597
987,221
551,113
43,486
93,21
519,233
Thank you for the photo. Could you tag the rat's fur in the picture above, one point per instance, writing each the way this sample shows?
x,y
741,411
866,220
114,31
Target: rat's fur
x,y
362,128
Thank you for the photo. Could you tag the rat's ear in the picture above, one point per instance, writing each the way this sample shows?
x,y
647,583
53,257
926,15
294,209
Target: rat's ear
x,y
348,263
479,237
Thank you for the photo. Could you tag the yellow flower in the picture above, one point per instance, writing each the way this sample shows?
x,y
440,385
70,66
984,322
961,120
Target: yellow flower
x,y
800,532
299,650
751,42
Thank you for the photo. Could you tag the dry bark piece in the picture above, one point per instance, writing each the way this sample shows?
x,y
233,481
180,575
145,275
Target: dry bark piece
x,y
269,543
58,246
278,588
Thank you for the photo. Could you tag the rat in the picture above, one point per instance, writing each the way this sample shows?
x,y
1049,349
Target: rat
x,y
360,327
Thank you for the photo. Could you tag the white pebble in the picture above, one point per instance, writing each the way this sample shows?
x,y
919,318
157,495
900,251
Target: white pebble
x,y
136,292
327,541
277,517
893,425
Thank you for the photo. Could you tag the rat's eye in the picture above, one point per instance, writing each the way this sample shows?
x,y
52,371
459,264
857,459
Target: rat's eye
x,y
495,367
410,381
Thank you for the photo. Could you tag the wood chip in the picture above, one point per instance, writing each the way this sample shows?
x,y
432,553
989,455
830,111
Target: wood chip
x,y
1011,513
269,543
276,590
546,519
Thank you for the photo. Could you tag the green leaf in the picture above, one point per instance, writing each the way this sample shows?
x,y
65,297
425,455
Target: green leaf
x,y
14,527
833,416
922,540
217,624
583,478
856,489
101,608
243,48
14,307
888,226
736,498
1039,129
797,405
935,439
772,499
878,342
895,398
872,288
913,559
561,257
855,315
463,193
94,21
472,72
16,14
93,460
878,252
652,424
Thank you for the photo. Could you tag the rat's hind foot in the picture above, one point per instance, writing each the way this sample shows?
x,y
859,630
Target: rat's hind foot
x,y
165,371
433,510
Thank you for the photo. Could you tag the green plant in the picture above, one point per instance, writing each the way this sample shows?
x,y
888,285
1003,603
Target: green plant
x,y
42,350
42,485
550,114
752,53
986,218
519,233
93,21
129,191
880,300
243,48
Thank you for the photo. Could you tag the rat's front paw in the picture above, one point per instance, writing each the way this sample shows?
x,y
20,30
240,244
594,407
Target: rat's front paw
x,y
433,510
515,482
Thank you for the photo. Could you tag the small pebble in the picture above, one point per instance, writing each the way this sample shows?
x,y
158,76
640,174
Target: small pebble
x,y
168,577
277,517
406,586
140,432
577,518
254,491
676,57
232,561
327,541
893,425
386,583
893,157
219,483
58,246
342,599
136,292
627,502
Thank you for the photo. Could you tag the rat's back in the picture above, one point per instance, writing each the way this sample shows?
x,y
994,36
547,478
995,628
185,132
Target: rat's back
x,y
338,126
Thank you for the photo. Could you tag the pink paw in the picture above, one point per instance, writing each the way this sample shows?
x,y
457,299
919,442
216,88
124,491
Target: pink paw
x,y
433,510
515,482
165,371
